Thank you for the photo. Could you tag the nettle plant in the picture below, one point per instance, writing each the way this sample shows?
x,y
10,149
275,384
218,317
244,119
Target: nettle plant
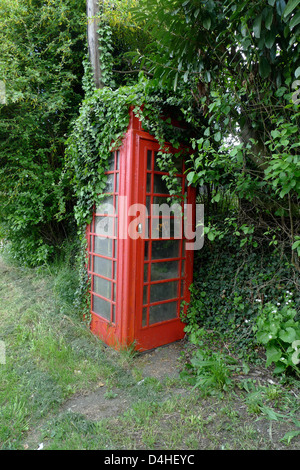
x,y
279,332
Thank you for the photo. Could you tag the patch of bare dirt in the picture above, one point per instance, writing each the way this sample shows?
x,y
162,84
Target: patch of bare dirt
x,y
161,362
158,363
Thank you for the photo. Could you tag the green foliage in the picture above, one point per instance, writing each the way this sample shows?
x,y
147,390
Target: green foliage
x,y
211,371
242,35
245,158
278,331
240,60
208,370
46,73
283,168
230,285
41,63
100,127
125,37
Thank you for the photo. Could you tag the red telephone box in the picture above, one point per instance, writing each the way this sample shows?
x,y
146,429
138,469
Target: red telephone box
x,y
139,279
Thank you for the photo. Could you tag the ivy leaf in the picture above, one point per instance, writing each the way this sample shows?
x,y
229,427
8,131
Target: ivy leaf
x,y
280,92
218,136
284,191
216,198
295,245
292,4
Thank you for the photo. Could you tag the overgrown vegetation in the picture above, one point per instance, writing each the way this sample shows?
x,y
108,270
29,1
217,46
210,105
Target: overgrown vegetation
x,y
42,49
228,69
53,362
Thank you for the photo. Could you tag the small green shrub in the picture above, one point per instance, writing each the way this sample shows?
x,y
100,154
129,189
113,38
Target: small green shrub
x,y
207,369
278,331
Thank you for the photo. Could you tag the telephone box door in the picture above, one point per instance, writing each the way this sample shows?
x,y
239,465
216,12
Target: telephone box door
x,y
165,268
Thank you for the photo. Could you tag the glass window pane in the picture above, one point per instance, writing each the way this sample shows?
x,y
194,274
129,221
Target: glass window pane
x,y
118,159
148,205
163,291
144,320
106,206
178,163
163,312
156,167
149,159
117,183
160,185
111,163
116,227
182,287
103,246
104,226
182,268
101,307
102,287
164,270
146,250
163,200
166,227
146,272
145,295
162,249
109,187
115,270
148,182
103,266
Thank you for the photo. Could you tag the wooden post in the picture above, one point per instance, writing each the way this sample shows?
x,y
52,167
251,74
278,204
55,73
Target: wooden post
x,y
92,10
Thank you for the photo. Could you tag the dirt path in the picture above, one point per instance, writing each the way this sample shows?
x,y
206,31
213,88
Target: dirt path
x,y
160,363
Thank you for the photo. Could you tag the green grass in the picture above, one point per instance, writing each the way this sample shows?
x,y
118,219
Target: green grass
x,y
51,356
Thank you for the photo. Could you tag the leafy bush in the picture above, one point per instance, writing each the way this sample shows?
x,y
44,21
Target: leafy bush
x,y
41,64
279,332
231,283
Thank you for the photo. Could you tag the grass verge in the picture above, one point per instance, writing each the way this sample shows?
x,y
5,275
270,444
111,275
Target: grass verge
x,y
51,358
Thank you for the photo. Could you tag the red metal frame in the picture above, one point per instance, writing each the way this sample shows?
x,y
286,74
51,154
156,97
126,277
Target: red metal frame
x,y
126,325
